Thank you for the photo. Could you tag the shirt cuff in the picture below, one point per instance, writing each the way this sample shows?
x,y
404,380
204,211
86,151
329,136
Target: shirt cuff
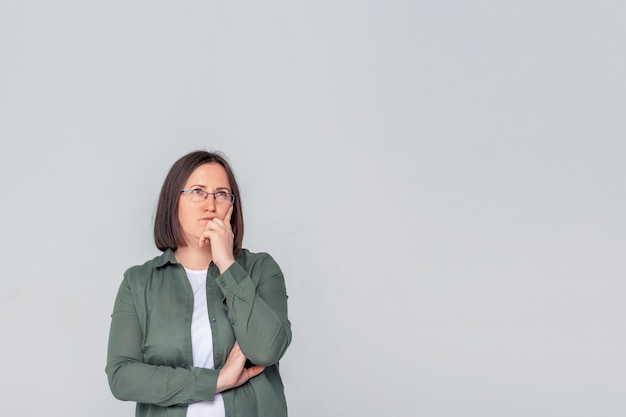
x,y
206,384
231,279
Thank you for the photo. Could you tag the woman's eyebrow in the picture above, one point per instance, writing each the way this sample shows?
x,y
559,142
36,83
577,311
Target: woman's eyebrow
x,y
204,187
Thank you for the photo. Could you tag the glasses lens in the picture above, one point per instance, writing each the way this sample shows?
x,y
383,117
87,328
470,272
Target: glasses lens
x,y
195,194
222,196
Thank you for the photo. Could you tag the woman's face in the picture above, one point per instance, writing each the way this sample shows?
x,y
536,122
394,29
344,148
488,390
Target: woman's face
x,y
194,215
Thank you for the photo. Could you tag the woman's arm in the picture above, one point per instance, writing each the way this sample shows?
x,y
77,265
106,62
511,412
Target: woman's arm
x,y
257,309
132,379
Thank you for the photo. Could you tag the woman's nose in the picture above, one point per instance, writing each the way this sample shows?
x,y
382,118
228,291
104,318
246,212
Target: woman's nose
x,y
209,203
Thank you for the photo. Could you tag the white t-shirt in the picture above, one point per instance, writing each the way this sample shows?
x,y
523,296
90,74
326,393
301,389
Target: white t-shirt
x,y
202,344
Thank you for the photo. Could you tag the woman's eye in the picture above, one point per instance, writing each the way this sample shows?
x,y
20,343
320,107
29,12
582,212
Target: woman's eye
x,y
220,194
196,191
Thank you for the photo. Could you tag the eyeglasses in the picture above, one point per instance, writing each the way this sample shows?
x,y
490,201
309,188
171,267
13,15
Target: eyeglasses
x,y
197,194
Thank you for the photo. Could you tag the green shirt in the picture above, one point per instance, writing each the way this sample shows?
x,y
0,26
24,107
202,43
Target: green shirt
x,y
150,357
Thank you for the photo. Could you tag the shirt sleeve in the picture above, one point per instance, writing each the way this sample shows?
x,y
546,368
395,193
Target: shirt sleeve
x,y
256,304
131,379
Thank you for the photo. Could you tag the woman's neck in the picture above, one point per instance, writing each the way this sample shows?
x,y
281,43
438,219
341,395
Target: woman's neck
x,y
194,257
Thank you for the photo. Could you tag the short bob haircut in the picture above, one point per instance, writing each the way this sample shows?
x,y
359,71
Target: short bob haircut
x,y
167,233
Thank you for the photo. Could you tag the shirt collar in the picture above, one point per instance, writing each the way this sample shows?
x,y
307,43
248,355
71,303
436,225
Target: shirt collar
x,y
165,258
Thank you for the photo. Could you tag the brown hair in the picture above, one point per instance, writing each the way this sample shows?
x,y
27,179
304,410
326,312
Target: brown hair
x,y
167,233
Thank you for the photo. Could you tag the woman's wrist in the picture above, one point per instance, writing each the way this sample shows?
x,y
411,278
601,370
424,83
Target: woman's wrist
x,y
223,266
221,384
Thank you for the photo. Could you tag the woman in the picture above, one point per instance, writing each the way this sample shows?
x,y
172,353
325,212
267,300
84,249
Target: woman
x,y
199,330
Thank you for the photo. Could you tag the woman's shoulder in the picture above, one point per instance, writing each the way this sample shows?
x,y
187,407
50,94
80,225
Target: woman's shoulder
x,y
147,268
251,260
247,256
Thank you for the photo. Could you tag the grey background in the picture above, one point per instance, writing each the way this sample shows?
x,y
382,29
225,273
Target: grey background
x,y
441,182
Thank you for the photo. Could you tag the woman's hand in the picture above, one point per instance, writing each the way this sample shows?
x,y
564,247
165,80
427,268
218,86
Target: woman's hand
x,y
219,234
234,373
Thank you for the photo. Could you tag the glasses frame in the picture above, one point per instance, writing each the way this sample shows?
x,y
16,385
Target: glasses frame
x,y
188,191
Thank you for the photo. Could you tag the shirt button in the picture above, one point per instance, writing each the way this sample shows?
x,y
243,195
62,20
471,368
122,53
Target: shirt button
x,y
212,319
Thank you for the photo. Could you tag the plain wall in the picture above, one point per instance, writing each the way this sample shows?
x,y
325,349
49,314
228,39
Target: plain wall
x,y
442,184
